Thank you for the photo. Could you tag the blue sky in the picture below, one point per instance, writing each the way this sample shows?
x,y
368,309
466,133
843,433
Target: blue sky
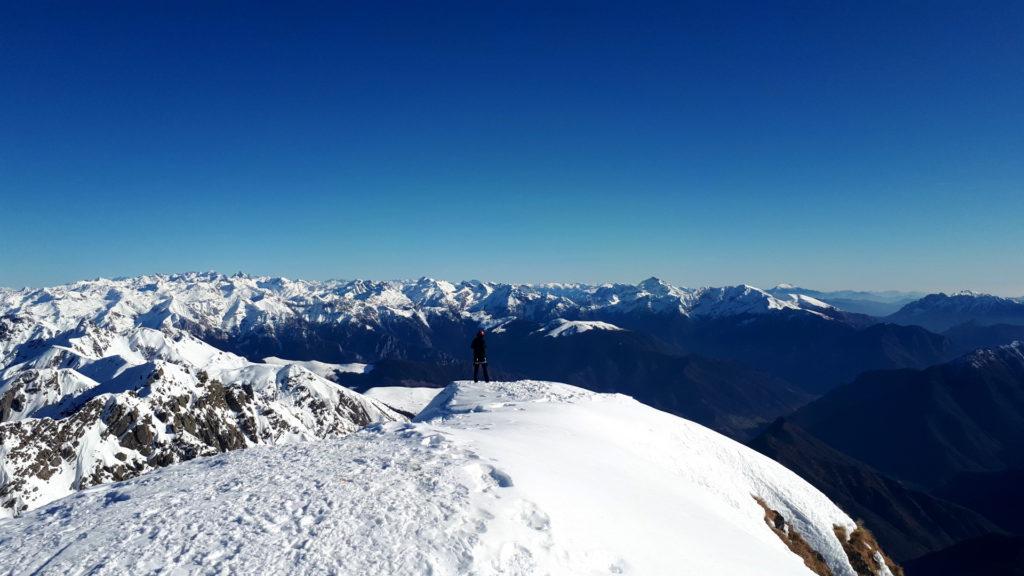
x,y
829,144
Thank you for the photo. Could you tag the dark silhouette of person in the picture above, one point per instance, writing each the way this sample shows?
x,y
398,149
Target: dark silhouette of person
x,y
479,347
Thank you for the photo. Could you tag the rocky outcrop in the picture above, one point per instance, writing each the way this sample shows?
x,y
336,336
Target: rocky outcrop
x,y
171,398
863,552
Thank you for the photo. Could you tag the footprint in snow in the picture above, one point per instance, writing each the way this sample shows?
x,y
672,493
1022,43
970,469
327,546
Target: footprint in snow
x,y
114,496
501,478
485,476
534,517
432,441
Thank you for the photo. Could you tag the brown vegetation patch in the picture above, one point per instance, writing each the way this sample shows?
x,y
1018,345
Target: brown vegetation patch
x,y
860,547
794,541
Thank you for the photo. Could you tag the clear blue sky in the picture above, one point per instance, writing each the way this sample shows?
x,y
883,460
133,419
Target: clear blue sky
x,y
829,144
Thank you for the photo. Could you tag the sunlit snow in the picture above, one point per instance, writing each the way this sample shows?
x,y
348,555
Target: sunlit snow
x,y
505,478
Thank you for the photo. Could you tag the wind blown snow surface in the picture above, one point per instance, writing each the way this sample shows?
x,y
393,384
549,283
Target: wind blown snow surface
x,y
407,399
503,478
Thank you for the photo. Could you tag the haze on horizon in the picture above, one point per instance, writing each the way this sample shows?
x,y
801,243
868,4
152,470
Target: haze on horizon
x,y
836,146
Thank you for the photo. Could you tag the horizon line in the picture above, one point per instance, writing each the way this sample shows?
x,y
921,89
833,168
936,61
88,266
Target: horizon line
x,y
780,285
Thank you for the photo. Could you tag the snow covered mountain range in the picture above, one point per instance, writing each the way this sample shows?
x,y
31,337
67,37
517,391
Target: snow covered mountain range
x,y
217,305
505,478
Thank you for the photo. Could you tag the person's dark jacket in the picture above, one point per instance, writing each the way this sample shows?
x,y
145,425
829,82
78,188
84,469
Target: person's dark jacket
x,y
479,347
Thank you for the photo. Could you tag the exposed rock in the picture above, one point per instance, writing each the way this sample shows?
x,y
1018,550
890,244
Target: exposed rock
x,y
865,555
794,541
152,412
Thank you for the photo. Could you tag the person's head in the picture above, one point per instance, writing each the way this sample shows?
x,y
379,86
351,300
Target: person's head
x,y
480,333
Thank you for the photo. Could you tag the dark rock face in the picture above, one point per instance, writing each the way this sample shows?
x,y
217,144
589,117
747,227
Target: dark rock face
x,y
11,326
14,396
36,450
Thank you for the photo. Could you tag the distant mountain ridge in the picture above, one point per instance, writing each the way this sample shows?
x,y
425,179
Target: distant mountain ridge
x,y
260,317
966,415
939,312
872,303
229,303
932,459
724,395
908,523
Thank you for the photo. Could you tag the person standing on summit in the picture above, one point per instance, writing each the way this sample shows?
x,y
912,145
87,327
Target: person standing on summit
x,y
479,347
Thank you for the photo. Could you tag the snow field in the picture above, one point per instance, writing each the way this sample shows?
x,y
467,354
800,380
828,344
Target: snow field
x,y
503,478
406,399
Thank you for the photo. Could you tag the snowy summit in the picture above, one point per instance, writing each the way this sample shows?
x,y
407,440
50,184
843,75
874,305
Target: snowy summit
x,y
505,478
562,327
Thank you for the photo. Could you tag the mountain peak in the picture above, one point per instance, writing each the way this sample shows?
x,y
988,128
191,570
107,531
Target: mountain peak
x,y
969,293
652,282
941,311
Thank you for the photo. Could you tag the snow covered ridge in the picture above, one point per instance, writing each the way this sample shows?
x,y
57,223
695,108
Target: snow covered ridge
x,y
561,327
516,478
964,300
323,369
1006,354
939,312
94,406
214,303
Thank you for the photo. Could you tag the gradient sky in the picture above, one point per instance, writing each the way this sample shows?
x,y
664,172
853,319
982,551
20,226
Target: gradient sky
x,y
828,144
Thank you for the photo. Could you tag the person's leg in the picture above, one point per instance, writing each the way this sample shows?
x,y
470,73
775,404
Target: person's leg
x,y
476,371
487,377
